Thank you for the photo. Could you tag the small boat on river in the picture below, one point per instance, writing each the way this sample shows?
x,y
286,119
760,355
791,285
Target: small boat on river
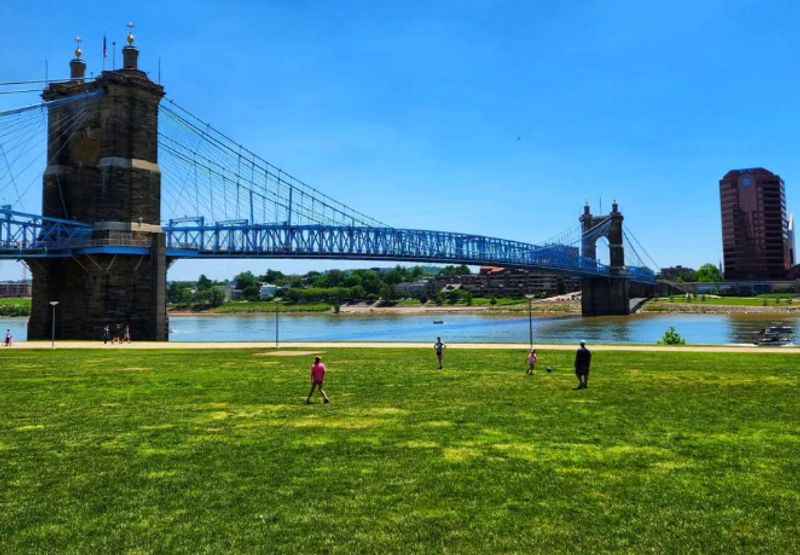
x,y
775,336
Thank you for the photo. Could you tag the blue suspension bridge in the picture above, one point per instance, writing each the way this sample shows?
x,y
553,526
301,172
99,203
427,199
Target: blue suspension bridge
x,y
213,197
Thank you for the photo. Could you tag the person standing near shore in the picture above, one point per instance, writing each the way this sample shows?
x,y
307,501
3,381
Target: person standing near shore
x,y
532,358
583,362
318,371
9,338
439,348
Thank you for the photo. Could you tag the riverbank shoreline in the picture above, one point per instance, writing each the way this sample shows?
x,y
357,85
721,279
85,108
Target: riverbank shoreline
x,y
658,307
321,345
492,311
385,311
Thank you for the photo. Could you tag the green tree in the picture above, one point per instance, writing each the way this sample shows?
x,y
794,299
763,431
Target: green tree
x,y
185,296
468,298
371,282
388,293
245,280
248,284
451,271
395,275
352,279
204,283
672,337
453,296
217,297
179,293
708,273
273,276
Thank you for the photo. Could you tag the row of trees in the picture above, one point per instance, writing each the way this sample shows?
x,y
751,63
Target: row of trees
x,y
333,286
707,273
203,293
337,286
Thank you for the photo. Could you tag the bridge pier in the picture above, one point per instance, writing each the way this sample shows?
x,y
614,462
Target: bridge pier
x,y
604,296
106,174
98,290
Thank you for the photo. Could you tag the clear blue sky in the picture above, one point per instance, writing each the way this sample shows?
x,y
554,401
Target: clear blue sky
x,y
412,112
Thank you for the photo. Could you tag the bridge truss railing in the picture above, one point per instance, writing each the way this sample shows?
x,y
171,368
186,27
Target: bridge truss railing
x,y
27,234
243,239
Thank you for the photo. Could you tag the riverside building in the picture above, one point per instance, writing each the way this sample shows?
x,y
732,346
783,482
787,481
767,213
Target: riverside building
x,y
756,241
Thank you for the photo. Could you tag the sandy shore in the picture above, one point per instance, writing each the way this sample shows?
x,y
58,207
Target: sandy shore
x,y
385,345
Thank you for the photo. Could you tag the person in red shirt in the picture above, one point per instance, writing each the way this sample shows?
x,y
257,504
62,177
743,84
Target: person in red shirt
x,y
317,378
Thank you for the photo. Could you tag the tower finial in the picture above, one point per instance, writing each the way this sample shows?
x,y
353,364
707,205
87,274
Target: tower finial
x,y
78,51
131,37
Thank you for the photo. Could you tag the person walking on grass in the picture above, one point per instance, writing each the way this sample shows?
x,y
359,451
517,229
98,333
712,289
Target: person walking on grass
x,y
532,358
439,348
583,362
317,379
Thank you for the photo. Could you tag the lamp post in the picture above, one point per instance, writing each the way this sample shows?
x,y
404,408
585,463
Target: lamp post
x,y
530,319
53,326
277,336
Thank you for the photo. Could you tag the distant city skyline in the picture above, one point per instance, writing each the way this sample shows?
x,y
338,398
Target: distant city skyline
x,y
490,119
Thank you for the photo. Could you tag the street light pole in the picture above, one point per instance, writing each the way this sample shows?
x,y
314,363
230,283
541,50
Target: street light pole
x,y
53,326
277,336
530,320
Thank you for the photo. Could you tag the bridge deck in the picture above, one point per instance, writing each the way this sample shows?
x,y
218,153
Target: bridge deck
x,y
31,236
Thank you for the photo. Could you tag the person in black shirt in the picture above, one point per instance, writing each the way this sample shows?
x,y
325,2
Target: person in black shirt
x,y
583,361
439,348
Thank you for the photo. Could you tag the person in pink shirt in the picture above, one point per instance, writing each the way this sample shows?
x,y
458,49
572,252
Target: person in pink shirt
x,y
317,378
532,358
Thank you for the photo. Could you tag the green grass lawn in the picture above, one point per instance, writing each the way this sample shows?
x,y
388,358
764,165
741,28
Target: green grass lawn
x,y
211,451
15,306
770,300
500,302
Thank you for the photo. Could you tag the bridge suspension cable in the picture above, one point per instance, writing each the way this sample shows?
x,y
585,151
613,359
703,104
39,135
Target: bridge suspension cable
x,y
569,236
219,199
25,145
633,241
206,164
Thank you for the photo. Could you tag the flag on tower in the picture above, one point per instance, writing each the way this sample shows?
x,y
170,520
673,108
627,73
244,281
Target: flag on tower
x,y
105,48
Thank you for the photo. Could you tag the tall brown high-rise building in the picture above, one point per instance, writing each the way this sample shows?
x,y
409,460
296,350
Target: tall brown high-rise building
x,y
755,229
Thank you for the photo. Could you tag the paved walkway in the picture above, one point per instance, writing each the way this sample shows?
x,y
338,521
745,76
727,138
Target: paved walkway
x,y
356,345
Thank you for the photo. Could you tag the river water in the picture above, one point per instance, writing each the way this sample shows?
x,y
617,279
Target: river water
x,y
464,328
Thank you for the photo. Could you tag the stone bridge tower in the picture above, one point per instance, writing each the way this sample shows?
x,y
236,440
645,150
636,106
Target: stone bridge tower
x,y
104,173
603,296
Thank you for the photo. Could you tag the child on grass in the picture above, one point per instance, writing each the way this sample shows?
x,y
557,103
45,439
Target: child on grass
x,y
532,358
317,378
